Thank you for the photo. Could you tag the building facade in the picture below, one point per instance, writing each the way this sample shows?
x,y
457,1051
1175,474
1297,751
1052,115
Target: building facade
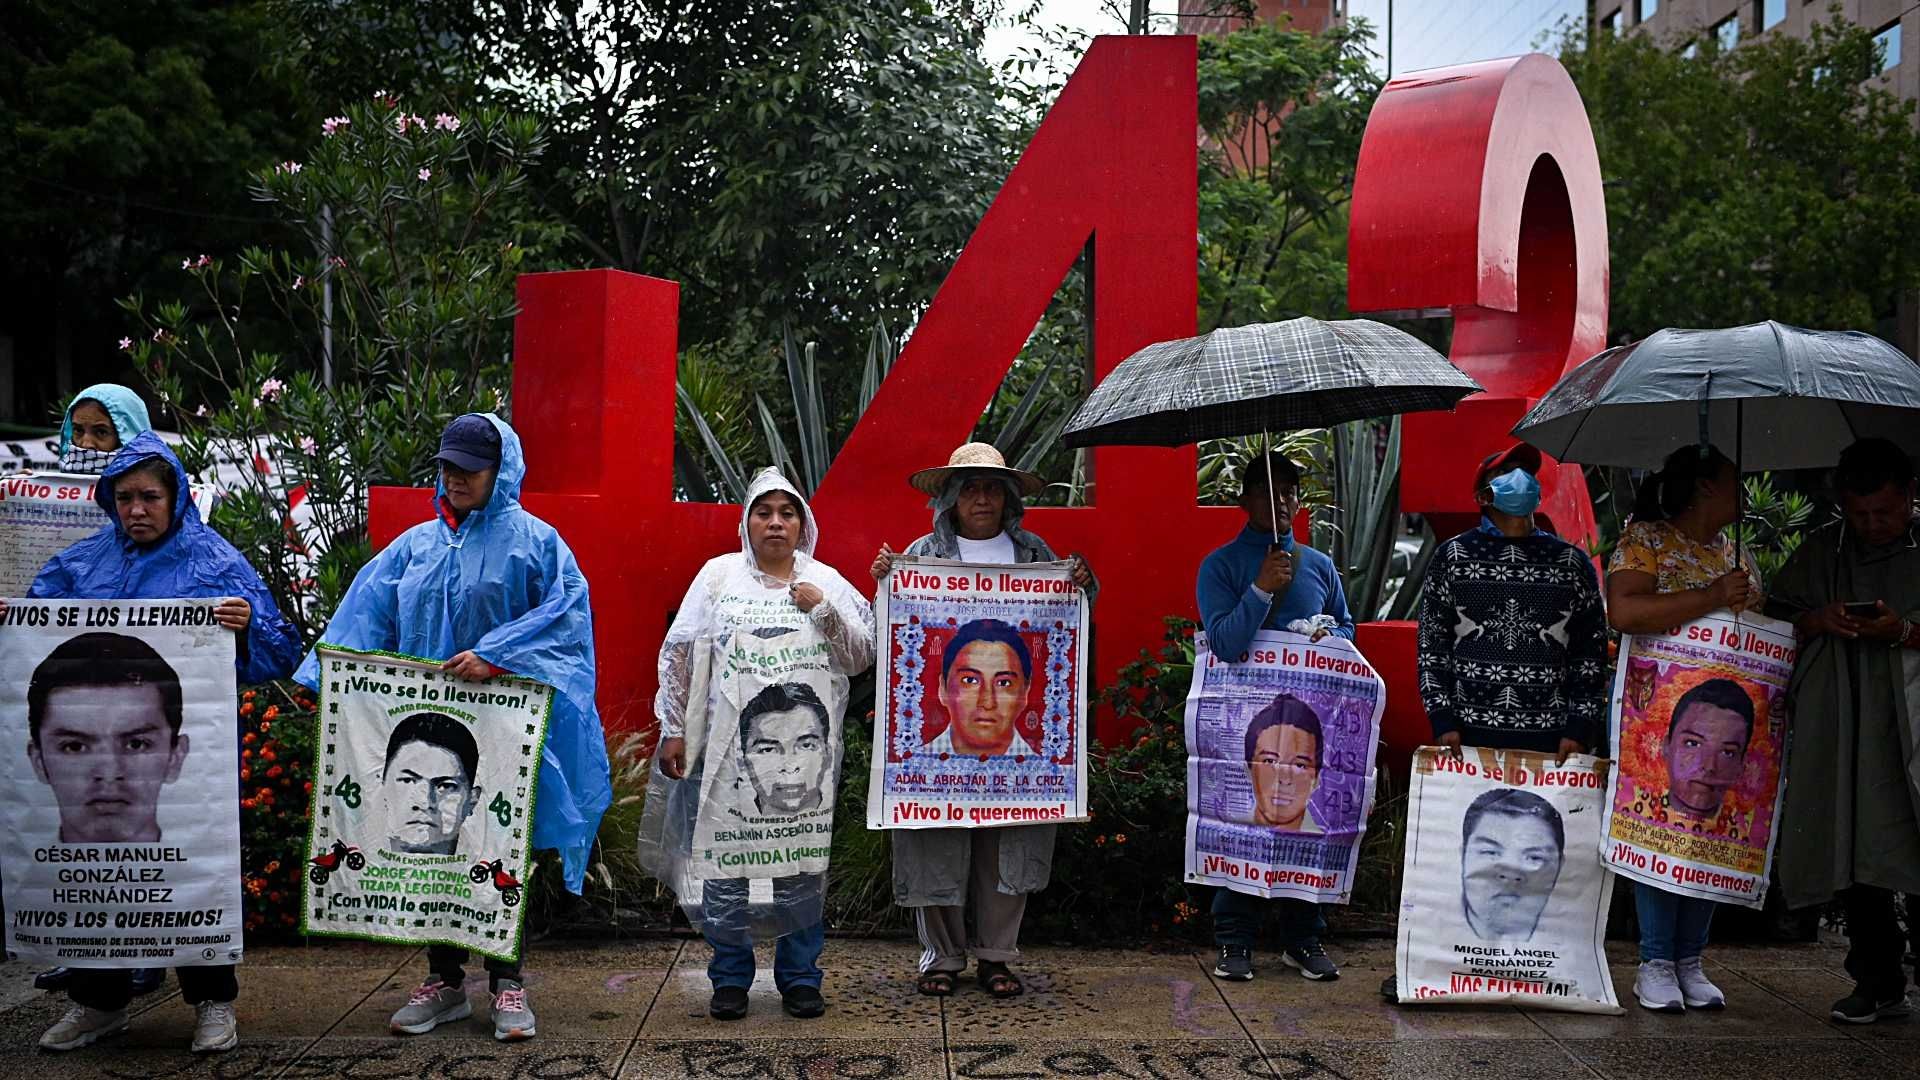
x,y
1896,25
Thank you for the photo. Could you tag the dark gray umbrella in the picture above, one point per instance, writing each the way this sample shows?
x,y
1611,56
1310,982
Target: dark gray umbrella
x,y
1768,395
1248,380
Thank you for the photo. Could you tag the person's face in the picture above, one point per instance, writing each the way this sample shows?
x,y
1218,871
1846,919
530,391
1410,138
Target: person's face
x,y
786,756
1286,502
467,491
106,751
93,429
1719,496
144,505
983,694
1283,776
429,796
774,526
1706,752
981,510
1507,872
1881,517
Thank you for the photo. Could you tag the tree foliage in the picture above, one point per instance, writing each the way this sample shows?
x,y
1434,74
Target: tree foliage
x,y
1777,180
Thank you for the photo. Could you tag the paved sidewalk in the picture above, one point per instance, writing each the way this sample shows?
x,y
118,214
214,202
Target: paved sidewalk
x,y
638,1009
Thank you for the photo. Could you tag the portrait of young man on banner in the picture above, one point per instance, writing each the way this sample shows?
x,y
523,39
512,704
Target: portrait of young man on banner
x,y
423,800
125,740
981,710
1280,766
1504,898
1700,739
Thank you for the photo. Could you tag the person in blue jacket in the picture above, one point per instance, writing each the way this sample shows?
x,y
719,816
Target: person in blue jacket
x,y
156,547
489,589
1252,583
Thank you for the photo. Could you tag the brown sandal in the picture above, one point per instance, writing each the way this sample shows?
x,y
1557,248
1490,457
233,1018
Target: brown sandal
x,y
996,979
936,984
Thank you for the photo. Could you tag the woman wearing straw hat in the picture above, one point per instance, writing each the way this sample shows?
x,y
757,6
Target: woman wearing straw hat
x,y
977,506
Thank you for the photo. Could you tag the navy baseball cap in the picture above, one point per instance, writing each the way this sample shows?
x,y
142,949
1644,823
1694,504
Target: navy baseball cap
x,y
471,443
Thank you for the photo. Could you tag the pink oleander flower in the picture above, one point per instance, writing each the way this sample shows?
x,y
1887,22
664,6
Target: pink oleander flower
x,y
126,343
288,167
308,446
186,264
256,403
202,261
201,411
272,388
425,173
160,334
298,281
336,261
333,124
446,122
400,123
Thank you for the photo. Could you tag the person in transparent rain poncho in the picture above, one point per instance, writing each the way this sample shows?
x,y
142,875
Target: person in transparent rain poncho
x,y
770,591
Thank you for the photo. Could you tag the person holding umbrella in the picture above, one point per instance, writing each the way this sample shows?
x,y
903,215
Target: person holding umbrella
x,y
1674,564
1851,824
1263,579
939,873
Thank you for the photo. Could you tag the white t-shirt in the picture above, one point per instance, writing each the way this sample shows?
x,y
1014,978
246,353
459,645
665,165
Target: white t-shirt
x,y
997,550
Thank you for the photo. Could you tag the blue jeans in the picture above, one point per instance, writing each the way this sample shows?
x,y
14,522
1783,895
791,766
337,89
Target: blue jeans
x,y
727,927
1237,915
1672,927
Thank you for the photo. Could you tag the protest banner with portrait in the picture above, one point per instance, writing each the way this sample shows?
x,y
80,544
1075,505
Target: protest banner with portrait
x,y
981,696
121,845
1699,745
422,827
1280,756
1504,898
42,515
771,759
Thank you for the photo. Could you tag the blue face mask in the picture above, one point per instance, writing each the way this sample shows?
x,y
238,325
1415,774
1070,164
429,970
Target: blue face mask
x,y
1516,493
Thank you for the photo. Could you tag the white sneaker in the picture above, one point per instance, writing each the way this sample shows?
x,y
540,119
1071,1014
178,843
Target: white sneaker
x,y
81,1026
1695,988
216,1028
1658,987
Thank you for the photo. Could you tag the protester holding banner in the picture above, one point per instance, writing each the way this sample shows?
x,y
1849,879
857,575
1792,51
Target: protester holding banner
x,y
489,589
1674,564
156,547
977,508
1257,582
1852,823
753,692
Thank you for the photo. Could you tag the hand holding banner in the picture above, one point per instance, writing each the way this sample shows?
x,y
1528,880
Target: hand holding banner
x,y
422,815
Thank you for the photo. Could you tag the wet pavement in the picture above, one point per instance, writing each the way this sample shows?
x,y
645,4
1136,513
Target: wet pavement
x,y
638,1009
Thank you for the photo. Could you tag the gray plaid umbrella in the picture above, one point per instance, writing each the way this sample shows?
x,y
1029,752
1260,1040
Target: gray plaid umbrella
x,y
1247,380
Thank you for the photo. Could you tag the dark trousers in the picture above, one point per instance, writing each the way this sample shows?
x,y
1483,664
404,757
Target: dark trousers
x,y
446,960
1237,915
1875,946
110,989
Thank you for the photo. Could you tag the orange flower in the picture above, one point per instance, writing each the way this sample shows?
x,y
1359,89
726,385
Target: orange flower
x,y
273,773
272,867
249,738
1120,838
245,754
266,726
309,787
247,804
248,696
272,711
245,773
1099,841
247,709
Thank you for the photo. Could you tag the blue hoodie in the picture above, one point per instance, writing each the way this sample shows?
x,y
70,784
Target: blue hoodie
x,y
190,561
503,584
1232,610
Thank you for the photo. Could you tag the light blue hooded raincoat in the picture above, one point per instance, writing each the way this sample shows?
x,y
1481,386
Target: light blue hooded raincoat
x,y
124,408
505,586
190,561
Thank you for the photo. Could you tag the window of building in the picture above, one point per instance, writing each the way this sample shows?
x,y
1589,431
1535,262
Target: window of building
x,y
1771,13
1727,32
1647,10
1888,42
1691,51
1614,22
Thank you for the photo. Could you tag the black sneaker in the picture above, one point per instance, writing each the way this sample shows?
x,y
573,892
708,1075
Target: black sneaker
x,y
728,1003
1235,964
147,980
1390,990
1860,1007
803,1002
1311,961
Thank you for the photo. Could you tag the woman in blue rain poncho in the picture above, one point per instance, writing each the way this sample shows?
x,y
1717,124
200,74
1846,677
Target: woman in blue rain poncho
x,y
156,547
102,418
490,589
751,749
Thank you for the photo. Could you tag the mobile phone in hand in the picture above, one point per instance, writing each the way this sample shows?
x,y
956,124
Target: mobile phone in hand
x,y
1863,610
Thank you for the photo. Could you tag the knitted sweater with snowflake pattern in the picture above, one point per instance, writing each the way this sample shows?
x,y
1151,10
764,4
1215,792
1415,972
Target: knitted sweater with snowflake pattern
x,y
1513,642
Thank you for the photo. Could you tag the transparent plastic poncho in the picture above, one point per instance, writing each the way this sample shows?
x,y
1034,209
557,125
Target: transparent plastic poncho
x,y
758,689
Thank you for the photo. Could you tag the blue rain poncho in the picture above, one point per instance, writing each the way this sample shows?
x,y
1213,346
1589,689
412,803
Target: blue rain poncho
x,y
504,585
190,561
123,407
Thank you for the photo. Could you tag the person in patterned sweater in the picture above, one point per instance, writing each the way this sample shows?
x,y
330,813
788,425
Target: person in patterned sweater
x,y
1513,638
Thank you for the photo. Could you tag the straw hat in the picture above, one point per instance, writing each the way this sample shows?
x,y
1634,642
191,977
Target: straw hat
x,y
975,457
